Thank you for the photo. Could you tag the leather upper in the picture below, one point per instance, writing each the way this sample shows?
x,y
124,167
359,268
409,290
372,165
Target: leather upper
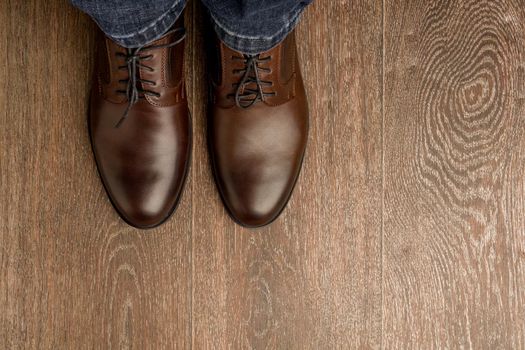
x,y
257,151
143,162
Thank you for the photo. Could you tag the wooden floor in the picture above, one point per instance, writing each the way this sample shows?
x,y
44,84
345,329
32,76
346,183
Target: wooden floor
x,y
406,230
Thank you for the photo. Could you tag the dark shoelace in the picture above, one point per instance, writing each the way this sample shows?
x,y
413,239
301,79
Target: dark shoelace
x,y
133,59
245,96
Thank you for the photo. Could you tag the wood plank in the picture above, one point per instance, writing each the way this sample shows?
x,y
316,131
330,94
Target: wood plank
x,y
312,279
454,233
73,274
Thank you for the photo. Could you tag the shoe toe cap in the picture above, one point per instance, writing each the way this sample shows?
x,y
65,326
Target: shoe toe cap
x,y
255,201
143,163
142,206
257,156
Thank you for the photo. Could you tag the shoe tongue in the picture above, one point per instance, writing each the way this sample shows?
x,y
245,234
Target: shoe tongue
x,y
167,38
170,35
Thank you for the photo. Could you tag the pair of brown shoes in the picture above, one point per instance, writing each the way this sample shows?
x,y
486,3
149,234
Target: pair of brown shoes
x,y
140,128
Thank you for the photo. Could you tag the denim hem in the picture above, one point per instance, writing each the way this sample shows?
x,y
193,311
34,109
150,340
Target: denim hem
x,y
152,31
255,45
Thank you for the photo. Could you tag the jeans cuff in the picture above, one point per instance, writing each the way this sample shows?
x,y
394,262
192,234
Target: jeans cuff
x,y
252,45
154,30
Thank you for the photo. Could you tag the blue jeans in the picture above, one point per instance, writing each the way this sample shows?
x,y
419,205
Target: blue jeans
x,y
248,26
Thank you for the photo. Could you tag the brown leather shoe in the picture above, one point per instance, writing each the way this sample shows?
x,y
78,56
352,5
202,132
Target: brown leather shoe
x,y
258,128
140,127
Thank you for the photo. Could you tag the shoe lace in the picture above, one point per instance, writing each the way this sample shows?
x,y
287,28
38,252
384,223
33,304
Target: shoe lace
x,y
246,95
134,58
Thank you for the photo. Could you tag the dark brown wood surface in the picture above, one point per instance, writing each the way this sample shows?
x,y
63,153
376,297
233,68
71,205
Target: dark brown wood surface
x,y
406,229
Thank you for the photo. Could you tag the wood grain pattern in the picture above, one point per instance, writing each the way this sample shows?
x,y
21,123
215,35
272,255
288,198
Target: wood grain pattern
x,y
454,170
406,229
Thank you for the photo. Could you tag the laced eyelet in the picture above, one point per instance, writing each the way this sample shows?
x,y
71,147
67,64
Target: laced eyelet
x,y
246,97
133,59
